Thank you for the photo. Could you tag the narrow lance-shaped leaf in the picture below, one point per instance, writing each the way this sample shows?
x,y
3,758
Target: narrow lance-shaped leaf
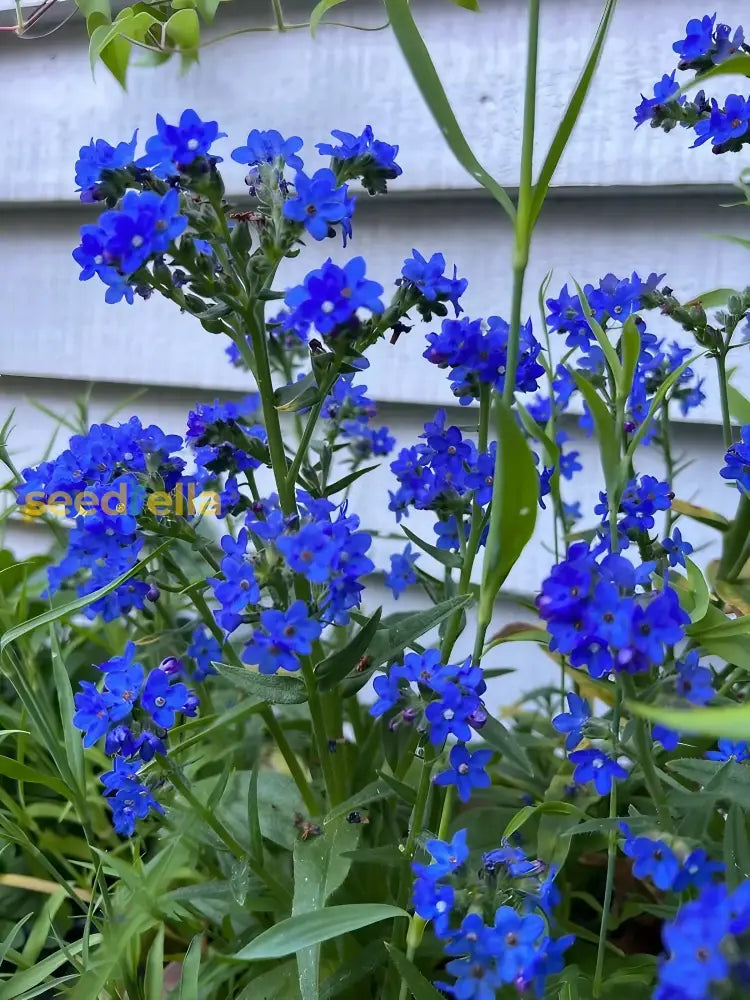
x,y
601,338
609,450
426,78
343,661
275,689
319,10
514,510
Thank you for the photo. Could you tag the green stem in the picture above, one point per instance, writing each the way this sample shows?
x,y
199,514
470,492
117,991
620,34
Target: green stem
x,y
611,857
666,444
726,421
645,750
732,554
278,14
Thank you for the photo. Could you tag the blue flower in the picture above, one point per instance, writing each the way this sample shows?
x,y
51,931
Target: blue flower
x,y
433,902
467,771
428,279
365,156
309,552
449,715
572,722
737,460
697,870
176,146
319,203
726,43
447,857
288,634
693,942
694,682
163,700
124,686
651,107
666,737
514,859
661,623
594,765
99,155
331,295
205,650
676,548
268,147
729,750
93,712
388,689
518,935
131,802
401,574
698,38
724,124
651,859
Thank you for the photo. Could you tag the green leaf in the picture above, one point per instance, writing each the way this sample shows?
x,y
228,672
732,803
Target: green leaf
x,y
336,666
55,614
450,559
253,816
319,869
732,722
207,8
602,339
695,589
71,736
739,405
191,965
514,506
319,10
735,594
106,43
154,981
379,789
297,395
736,847
183,28
495,735
307,929
609,448
361,966
630,342
17,771
468,4
701,514
544,809
24,980
345,481
272,688
570,117
420,988
738,65
427,80
713,299
390,642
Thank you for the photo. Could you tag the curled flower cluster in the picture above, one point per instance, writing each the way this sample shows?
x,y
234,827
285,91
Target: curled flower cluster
x,y
669,869
513,947
101,481
145,701
726,122
348,411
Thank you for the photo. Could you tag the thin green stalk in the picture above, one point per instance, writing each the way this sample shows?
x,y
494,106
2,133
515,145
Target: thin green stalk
x,y
611,857
726,420
278,14
732,555
666,444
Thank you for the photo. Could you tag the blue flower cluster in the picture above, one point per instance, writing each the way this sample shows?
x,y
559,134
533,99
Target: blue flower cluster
x,y
101,480
594,616
348,411
725,123
204,650
322,543
443,474
455,707
97,158
706,950
402,573
737,458
477,352
174,148
668,870
329,298
514,948
127,693
425,284
363,157
125,239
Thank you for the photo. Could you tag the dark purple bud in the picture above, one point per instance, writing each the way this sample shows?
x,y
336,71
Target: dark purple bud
x,y
477,718
628,426
153,593
120,740
409,714
191,704
171,665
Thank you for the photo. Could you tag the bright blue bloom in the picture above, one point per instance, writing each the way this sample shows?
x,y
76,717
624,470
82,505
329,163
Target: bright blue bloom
x,y
666,737
519,935
467,771
177,146
698,38
449,715
388,689
434,902
331,295
545,484
288,634
447,533
694,945
724,124
594,765
367,157
93,712
319,203
729,750
205,650
573,721
651,859
661,623
309,552
447,857
664,91
119,663
99,156
236,591
124,686
268,147
694,682
569,464
428,278
727,44
131,802
697,870
677,548
516,862
737,460
163,700
401,574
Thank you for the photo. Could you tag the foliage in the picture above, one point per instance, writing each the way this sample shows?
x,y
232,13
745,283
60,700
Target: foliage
x,y
244,816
